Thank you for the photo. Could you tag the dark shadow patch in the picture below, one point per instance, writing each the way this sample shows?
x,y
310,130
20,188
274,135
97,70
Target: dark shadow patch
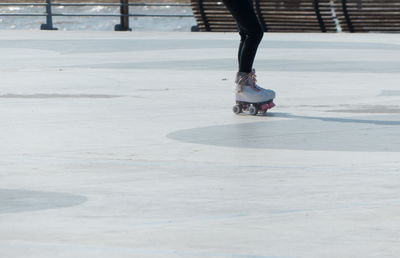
x,y
390,93
369,109
12,201
58,96
301,133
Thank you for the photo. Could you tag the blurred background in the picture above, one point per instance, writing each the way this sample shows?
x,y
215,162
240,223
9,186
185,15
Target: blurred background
x,y
98,23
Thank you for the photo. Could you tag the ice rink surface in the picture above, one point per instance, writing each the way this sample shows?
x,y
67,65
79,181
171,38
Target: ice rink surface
x,y
125,145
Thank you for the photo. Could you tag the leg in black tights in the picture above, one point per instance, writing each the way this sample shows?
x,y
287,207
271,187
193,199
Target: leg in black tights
x,y
250,31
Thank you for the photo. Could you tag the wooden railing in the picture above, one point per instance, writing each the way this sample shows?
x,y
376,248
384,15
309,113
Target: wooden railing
x,y
369,15
306,15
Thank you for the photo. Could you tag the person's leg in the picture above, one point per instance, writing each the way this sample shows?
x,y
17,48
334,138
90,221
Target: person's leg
x,y
243,37
250,31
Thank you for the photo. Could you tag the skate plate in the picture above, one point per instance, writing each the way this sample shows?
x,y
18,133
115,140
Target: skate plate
x,y
252,108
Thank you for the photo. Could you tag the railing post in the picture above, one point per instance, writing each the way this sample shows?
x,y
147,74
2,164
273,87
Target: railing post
x,y
49,18
203,15
346,16
319,17
260,16
124,25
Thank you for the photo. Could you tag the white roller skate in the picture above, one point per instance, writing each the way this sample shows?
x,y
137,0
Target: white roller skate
x,y
250,97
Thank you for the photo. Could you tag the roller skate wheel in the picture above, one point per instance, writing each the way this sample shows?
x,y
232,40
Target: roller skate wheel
x,y
253,110
271,105
237,109
264,108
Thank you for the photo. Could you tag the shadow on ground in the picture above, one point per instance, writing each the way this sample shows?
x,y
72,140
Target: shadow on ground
x,y
12,200
301,133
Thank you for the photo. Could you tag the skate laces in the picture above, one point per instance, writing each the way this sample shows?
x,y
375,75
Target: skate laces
x,y
254,78
249,80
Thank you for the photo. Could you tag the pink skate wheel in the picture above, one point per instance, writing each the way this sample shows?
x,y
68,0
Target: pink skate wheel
x,y
271,105
264,107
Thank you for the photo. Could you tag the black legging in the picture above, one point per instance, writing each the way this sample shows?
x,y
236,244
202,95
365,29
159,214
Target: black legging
x,y
250,31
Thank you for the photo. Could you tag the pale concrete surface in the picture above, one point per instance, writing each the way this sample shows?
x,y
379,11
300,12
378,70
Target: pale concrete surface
x,y
124,145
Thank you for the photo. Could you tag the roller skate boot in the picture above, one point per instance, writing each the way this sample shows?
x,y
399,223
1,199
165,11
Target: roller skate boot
x,y
250,97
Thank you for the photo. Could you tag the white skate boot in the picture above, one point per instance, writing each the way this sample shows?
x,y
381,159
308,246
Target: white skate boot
x,y
251,97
